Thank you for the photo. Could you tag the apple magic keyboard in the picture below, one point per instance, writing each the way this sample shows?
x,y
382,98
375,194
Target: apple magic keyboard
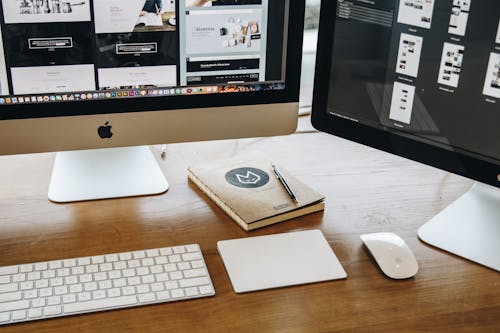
x,y
74,286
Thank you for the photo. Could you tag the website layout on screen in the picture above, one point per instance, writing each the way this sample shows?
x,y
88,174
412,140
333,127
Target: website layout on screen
x,y
56,50
426,69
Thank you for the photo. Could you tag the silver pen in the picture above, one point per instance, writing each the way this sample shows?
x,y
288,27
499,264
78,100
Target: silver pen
x,y
283,182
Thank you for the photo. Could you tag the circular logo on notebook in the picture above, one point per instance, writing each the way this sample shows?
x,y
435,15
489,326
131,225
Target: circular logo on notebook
x,y
247,177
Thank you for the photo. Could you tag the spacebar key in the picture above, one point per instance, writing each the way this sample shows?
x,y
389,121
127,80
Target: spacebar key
x,y
100,304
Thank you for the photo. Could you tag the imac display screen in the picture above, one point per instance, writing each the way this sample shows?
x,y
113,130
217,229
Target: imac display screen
x,y
55,51
426,70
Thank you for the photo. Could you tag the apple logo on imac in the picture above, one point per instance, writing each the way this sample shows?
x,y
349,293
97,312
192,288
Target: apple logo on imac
x,y
105,131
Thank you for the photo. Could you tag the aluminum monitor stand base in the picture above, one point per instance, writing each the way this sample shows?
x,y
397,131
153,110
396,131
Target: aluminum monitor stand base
x,y
105,174
469,227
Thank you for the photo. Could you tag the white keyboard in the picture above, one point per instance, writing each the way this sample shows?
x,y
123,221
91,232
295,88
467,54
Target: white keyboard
x,y
74,286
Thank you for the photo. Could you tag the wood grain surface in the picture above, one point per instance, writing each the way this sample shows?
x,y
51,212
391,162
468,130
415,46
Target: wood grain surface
x,y
366,191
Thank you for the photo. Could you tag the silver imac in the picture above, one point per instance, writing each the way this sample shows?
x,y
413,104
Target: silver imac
x,y
98,81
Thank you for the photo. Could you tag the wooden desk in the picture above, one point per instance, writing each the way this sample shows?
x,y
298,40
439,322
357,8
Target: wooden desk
x,y
366,190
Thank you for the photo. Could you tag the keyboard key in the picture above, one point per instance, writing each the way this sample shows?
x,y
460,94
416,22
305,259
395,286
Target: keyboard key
x,y
143,288
55,264
49,274
91,269
62,290
128,291
7,288
177,293
195,273
39,302
133,281
11,306
100,276
166,251
120,265
161,260
184,265
100,304
99,294
26,268
105,284
83,261
77,270
193,291
191,256
111,257
85,278
158,286
34,276
35,313
54,300
162,295
147,262
118,283
179,249
4,279
204,290
106,267
4,317
62,272
70,280
26,285
194,282
41,266
115,275
134,263
97,259
115,292
138,254
76,288
149,297
148,279
8,297
56,282
19,277
19,315
125,256
170,267
162,277
30,294
70,298
68,263
175,275
193,248
46,292
41,284
90,286
85,296
171,285
174,258
197,264
129,272
8,270
53,310
152,253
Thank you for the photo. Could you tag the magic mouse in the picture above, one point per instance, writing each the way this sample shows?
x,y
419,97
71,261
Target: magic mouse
x,y
392,254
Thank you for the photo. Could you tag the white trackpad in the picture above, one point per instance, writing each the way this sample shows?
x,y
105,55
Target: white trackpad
x,y
281,260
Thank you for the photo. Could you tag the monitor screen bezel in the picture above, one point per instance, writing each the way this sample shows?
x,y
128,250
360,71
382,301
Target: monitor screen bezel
x,y
131,105
448,159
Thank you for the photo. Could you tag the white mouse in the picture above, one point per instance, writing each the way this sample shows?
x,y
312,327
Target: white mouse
x,y
392,254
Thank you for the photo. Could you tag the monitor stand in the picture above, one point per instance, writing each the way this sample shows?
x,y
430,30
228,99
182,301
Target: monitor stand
x,y
469,227
105,174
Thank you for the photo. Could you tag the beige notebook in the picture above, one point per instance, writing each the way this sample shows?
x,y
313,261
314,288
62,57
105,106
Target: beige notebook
x,y
246,188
